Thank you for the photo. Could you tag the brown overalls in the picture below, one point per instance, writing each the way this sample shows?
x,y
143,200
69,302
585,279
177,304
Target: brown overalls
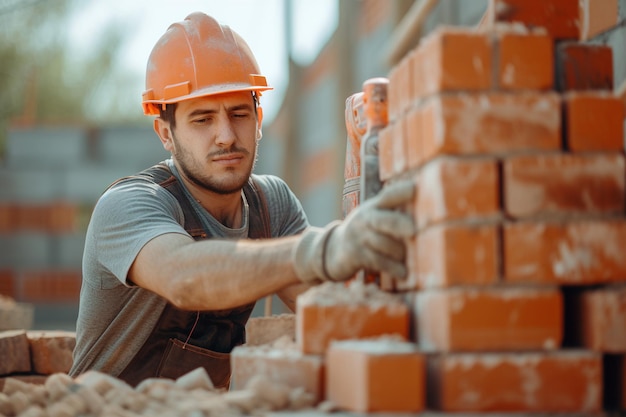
x,y
185,340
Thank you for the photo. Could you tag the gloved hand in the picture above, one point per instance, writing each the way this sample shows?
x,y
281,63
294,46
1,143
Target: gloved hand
x,y
371,237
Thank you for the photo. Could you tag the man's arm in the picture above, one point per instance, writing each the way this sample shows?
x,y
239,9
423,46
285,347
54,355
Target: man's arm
x,y
214,274
218,274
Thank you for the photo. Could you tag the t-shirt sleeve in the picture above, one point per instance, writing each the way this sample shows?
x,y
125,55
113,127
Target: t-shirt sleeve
x,y
287,216
125,218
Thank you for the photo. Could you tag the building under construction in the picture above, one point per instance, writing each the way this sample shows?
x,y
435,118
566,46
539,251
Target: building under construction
x,y
508,115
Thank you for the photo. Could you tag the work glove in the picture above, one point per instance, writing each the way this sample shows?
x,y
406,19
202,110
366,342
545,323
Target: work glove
x,y
371,237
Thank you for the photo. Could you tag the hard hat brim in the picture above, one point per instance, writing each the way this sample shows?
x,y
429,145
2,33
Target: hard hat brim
x,y
151,107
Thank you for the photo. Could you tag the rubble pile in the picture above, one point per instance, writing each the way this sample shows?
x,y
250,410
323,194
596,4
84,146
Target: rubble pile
x,y
97,394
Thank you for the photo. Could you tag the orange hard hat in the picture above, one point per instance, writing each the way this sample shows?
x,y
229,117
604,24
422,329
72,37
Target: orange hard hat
x,y
199,57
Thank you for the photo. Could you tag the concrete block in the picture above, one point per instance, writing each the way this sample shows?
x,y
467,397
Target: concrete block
x,y
67,250
30,183
136,147
46,146
25,250
86,183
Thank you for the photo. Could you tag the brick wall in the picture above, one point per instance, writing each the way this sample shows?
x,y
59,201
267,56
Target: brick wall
x,y
515,142
50,180
516,295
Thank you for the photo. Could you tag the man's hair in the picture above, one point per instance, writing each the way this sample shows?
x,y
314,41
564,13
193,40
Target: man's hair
x,y
167,113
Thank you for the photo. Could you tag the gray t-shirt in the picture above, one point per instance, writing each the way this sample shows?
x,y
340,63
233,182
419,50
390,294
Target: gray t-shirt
x,y
115,317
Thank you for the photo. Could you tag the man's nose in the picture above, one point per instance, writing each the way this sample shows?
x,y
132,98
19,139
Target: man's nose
x,y
225,136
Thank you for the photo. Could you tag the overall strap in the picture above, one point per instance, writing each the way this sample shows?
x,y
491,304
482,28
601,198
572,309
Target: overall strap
x,y
161,175
259,216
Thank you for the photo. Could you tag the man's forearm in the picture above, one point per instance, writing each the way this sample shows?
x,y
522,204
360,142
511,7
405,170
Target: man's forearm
x,y
214,274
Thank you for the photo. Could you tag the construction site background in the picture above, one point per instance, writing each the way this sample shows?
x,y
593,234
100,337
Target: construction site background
x,y
51,176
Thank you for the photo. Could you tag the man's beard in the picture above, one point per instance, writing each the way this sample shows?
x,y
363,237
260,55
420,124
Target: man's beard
x,y
191,170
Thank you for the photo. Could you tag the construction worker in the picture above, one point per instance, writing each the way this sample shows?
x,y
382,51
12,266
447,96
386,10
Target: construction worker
x,y
176,256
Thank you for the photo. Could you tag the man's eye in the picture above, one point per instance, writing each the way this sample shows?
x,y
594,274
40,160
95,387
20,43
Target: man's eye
x,y
201,121
240,115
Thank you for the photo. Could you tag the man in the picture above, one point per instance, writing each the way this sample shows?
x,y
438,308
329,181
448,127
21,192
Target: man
x,y
176,256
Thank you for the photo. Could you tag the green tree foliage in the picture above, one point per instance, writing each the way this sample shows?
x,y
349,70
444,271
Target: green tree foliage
x,y
41,82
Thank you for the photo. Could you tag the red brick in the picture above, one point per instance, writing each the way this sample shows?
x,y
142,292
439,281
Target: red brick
x,y
7,218
375,375
454,189
15,352
597,16
392,150
581,252
347,311
393,93
414,131
594,121
487,319
50,285
559,17
31,217
400,88
525,60
601,319
51,351
281,365
62,217
581,66
491,123
560,381
456,254
7,283
418,76
453,59
561,184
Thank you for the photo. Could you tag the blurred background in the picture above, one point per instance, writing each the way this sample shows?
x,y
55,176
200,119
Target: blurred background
x,y
71,78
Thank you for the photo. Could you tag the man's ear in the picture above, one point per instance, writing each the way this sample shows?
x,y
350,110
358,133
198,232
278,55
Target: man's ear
x,y
162,129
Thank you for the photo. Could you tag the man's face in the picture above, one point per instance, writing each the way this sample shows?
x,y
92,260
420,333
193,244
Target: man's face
x,y
215,141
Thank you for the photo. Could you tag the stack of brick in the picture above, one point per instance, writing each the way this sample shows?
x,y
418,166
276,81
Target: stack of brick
x,y
31,356
30,221
51,177
351,350
515,142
